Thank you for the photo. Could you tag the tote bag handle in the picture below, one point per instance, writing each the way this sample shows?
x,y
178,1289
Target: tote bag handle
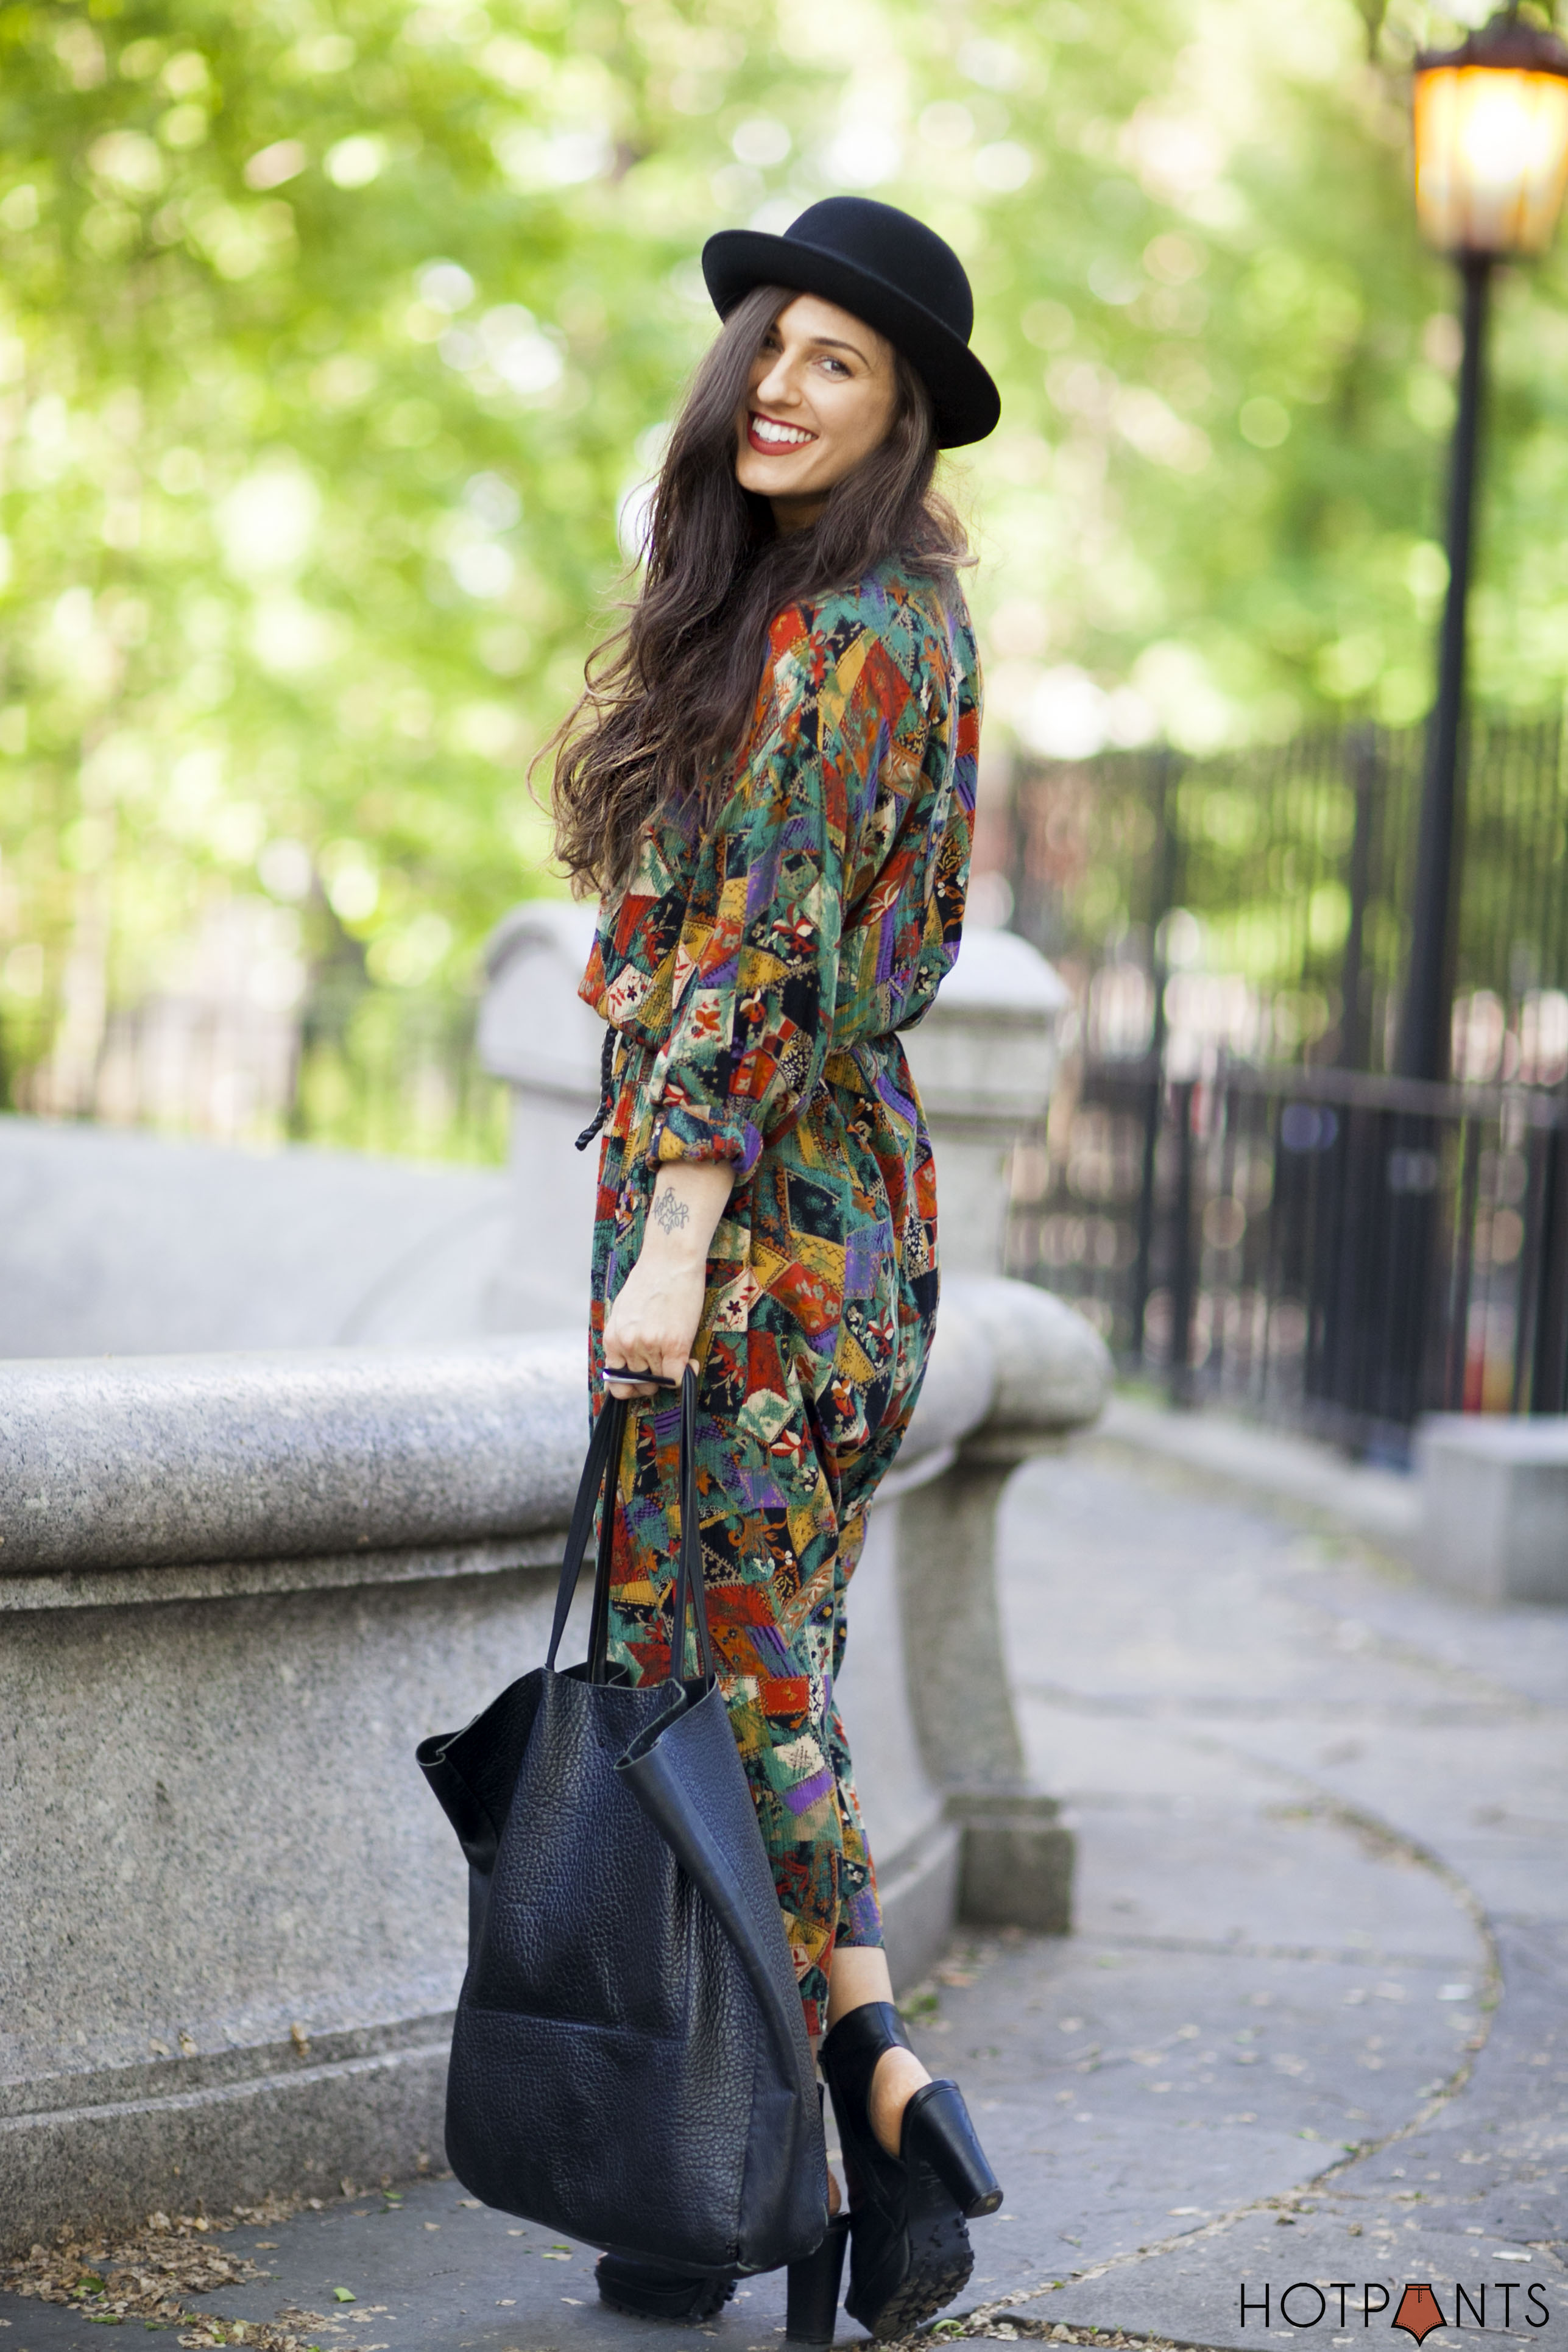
x,y
601,1473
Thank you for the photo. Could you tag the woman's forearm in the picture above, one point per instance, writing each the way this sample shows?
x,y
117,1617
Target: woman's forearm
x,y
652,1325
690,1198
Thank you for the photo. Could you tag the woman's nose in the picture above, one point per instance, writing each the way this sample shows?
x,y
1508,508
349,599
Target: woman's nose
x,y
776,388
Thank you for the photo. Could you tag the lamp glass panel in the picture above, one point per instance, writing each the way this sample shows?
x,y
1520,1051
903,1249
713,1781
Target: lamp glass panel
x,y
1491,158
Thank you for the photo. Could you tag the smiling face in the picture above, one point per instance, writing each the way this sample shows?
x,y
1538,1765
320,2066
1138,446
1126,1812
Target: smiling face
x,y
823,394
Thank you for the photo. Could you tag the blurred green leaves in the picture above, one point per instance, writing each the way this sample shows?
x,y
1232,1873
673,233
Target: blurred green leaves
x,y
334,340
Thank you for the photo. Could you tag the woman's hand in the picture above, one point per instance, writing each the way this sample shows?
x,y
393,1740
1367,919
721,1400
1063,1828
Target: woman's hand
x,y
651,1327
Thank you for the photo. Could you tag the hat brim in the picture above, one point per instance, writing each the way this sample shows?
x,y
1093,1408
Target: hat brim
x,y
966,403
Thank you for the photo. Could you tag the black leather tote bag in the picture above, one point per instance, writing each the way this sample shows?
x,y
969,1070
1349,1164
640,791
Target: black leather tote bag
x,y
629,2062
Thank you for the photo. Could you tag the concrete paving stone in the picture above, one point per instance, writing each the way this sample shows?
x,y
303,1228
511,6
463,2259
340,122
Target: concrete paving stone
x,y
1517,1649
1490,1804
1297,1475
1128,1585
1284,1878
1193,2293
437,2274
1321,1662
1477,2195
1193,2081
1082,1754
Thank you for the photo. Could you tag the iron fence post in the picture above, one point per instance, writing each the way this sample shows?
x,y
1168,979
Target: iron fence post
x,y
1184,1256
1163,897
1458,1335
1548,1369
1347,1356
1527,1304
1355,1025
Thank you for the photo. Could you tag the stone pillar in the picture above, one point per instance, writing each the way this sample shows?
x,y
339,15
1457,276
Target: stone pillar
x,y
1050,1374
536,1033
985,1060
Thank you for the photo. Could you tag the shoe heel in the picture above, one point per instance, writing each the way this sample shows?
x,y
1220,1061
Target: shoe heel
x,y
811,2311
937,2130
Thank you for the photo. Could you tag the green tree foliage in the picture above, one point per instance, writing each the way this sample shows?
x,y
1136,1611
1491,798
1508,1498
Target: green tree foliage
x,y
1224,485
334,339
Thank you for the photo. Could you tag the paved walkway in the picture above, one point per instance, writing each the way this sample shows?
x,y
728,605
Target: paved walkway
x,y
1313,2023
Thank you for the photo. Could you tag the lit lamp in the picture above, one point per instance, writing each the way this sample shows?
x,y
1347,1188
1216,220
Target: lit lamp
x,y
1491,166
1491,142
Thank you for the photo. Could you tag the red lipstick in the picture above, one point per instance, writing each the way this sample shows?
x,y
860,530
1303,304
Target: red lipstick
x,y
775,449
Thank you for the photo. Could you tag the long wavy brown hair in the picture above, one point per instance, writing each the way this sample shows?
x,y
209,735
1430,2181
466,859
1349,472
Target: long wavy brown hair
x,y
669,694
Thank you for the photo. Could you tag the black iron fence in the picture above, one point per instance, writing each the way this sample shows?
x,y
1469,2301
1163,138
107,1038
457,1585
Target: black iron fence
x,y
1270,889
1233,1187
1341,1249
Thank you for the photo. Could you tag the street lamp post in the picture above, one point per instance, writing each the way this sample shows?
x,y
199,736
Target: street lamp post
x,y
1491,165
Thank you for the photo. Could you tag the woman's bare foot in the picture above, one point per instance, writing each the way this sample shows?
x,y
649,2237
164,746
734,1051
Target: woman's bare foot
x,y
898,2078
861,1974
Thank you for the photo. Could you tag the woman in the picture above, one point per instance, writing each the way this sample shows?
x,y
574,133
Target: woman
x,y
771,780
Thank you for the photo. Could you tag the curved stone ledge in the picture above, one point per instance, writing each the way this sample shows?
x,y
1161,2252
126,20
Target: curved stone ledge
x,y
163,1463
157,1461
238,1580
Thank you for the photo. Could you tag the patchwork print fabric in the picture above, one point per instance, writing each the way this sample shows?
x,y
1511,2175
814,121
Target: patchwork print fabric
x,y
759,974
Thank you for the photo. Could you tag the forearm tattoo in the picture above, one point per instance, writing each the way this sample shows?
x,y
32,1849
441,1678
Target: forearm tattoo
x,y
669,1213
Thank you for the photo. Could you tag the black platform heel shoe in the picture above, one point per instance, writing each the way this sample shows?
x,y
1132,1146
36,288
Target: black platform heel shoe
x,y
908,2249
647,2290
811,2309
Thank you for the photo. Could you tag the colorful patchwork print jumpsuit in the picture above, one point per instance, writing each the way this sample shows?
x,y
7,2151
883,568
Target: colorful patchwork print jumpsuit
x,y
759,974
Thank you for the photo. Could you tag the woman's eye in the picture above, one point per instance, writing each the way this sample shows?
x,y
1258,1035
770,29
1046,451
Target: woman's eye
x,y
837,365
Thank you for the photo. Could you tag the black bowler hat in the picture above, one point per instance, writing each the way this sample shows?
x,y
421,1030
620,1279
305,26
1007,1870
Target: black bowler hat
x,y
887,268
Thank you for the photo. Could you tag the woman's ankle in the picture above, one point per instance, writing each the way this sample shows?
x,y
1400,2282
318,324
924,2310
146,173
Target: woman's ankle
x,y
898,2076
